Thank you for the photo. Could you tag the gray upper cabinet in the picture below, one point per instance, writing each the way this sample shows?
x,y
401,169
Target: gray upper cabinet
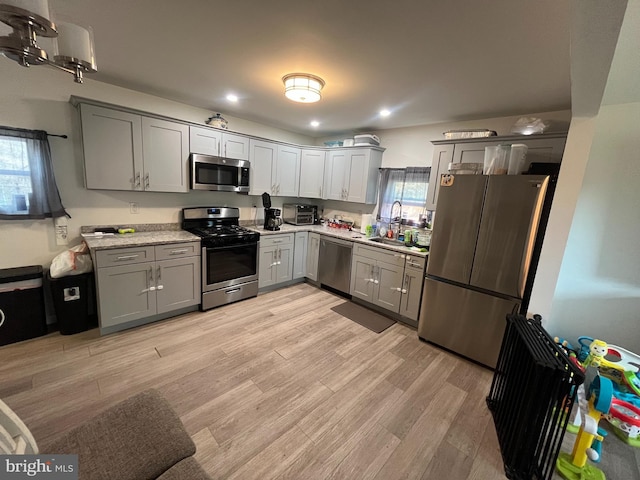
x,y
112,142
262,157
545,148
351,175
165,155
234,146
126,151
210,141
275,168
205,141
442,156
312,173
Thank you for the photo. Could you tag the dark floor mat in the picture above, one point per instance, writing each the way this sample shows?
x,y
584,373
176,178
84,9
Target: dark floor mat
x,y
365,317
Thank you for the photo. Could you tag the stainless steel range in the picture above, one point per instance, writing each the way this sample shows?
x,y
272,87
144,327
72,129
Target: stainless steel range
x,y
229,254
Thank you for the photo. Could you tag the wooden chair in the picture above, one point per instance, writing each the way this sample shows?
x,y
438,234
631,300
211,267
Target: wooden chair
x,y
15,437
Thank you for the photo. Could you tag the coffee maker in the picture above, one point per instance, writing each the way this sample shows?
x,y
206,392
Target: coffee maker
x,y
272,218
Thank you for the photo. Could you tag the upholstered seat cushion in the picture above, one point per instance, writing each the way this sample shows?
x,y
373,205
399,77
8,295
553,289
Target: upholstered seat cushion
x,y
188,468
139,438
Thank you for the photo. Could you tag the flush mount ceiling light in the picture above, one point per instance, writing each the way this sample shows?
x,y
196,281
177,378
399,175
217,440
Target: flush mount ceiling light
x,y
72,52
302,87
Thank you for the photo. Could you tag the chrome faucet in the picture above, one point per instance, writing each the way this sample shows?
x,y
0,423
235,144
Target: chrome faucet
x,y
395,220
393,205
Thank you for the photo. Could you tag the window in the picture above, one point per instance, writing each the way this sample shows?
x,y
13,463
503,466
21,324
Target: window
x,y
405,185
15,176
27,185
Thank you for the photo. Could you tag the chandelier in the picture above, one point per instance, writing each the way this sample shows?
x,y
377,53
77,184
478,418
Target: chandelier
x,y
72,50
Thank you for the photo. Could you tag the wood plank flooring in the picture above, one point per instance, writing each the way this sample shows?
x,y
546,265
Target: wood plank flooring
x,y
275,387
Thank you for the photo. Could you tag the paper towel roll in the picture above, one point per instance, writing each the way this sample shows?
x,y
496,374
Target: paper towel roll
x,y
364,221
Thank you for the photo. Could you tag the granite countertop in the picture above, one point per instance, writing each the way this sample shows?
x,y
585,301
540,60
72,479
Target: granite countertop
x,y
158,236
344,234
124,240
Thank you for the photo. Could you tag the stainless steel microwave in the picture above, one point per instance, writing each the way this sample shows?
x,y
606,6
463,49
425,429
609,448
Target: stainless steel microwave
x,y
219,174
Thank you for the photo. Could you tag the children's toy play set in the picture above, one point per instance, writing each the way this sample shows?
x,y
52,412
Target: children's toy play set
x,y
614,394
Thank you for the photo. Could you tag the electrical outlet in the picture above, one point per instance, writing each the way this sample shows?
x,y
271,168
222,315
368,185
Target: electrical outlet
x,y
60,226
133,207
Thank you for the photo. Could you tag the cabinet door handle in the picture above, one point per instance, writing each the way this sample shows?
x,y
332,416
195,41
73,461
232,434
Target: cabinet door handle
x,y
178,252
159,276
151,285
399,255
146,181
413,264
126,257
321,192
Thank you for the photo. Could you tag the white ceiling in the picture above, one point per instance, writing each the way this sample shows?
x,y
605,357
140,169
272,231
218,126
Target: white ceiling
x,y
427,61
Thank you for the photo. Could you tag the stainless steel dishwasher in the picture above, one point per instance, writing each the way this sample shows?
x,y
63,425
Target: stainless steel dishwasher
x,y
335,263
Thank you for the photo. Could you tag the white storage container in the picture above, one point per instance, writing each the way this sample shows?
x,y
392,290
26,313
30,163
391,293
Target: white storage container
x,y
366,140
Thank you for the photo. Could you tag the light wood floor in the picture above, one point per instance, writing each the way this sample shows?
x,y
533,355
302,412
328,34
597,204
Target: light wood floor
x,y
278,386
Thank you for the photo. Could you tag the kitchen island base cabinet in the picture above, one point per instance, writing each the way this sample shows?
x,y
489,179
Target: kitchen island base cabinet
x,y
138,285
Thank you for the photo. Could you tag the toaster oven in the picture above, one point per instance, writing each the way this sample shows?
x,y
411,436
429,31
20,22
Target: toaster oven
x,y
297,214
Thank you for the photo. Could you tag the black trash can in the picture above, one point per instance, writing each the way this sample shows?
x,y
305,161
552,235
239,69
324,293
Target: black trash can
x,y
74,302
21,304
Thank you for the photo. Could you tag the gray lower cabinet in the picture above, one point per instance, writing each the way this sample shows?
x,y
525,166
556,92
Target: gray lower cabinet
x,y
300,255
276,259
313,253
388,279
139,282
412,287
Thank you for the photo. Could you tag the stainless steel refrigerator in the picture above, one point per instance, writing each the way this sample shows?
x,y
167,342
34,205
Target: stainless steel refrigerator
x,y
483,249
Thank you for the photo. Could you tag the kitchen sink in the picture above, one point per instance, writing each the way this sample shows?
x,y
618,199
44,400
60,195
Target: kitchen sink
x,y
387,241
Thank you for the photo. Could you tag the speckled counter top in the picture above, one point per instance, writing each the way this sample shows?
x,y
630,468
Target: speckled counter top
x,y
139,238
344,234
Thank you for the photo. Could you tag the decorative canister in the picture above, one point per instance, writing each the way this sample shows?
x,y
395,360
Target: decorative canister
x,y
217,121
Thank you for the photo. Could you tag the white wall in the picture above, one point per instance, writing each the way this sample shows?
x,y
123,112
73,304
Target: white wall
x,y
411,146
574,164
598,290
38,98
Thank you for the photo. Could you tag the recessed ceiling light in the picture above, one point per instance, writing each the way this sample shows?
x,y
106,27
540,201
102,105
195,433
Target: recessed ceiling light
x,y
385,113
315,123
232,98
